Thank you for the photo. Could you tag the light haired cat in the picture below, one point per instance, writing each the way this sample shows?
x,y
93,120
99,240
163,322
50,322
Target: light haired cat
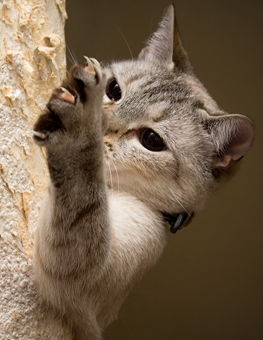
x,y
129,147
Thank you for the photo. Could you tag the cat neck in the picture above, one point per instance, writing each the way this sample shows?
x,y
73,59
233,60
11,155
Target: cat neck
x,y
176,221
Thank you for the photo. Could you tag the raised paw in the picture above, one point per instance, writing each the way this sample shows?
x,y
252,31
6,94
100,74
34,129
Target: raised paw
x,y
75,106
90,74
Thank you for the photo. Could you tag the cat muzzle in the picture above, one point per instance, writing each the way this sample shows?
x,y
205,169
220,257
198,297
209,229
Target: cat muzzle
x,y
178,221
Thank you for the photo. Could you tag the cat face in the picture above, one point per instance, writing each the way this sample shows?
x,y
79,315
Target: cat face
x,y
167,142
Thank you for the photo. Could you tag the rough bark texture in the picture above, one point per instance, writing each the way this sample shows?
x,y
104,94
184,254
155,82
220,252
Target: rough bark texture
x,y
32,63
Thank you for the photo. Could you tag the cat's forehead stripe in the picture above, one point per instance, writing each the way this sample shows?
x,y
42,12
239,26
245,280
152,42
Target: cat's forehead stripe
x,y
146,86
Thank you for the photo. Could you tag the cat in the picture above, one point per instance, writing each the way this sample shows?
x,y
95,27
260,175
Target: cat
x,y
130,147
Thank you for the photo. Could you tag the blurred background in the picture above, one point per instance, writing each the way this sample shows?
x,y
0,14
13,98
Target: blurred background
x,y
209,282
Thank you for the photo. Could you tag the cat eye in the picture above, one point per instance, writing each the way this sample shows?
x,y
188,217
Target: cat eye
x,y
113,91
151,140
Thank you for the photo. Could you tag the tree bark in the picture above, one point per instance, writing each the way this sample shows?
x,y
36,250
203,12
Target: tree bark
x,y
32,63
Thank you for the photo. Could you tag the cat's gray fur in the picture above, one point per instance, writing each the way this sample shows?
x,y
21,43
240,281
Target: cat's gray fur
x,y
101,226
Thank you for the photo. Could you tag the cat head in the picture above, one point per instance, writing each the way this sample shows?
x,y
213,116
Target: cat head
x,y
168,142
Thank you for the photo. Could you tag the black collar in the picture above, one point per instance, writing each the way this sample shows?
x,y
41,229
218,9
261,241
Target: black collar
x,y
178,221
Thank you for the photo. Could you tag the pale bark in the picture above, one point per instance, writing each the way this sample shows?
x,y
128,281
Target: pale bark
x,y
32,63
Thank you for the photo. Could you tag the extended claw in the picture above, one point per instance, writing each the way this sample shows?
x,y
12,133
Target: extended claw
x,y
95,62
39,134
67,96
90,68
89,61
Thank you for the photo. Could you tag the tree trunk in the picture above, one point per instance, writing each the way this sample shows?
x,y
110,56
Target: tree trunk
x,y
32,63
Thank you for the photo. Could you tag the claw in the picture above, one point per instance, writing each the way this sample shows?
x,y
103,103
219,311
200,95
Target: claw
x,y
95,62
39,134
67,96
90,67
88,61
65,90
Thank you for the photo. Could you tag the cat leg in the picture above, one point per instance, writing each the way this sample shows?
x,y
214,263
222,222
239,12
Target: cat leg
x,y
73,237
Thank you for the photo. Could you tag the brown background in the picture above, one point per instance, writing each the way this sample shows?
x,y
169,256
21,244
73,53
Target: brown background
x,y
209,283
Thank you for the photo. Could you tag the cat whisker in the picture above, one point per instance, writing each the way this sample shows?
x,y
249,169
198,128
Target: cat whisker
x,y
117,176
179,201
72,57
128,328
108,164
125,41
122,163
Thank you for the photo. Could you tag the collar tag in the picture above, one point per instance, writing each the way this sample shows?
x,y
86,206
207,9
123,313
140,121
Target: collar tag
x,y
178,221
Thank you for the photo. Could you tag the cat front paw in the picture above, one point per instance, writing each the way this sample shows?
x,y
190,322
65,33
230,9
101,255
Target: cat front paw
x,y
74,106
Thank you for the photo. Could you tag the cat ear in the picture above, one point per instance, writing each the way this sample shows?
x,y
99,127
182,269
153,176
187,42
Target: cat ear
x,y
165,45
233,136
